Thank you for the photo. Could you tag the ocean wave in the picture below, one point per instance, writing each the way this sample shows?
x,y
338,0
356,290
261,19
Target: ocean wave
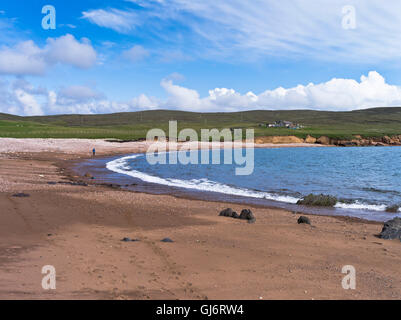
x,y
384,191
121,166
357,205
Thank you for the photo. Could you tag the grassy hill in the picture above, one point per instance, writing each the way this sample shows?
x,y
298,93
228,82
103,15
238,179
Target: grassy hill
x,y
134,125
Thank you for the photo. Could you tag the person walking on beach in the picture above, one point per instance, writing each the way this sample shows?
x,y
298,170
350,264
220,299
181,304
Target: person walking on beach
x,y
94,152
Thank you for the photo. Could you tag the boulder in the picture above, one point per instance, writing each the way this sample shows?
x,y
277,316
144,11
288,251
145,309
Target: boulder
x,y
129,240
235,215
310,139
323,140
393,208
320,200
347,143
21,195
395,141
247,214
391,229
386,140
229,213
304,220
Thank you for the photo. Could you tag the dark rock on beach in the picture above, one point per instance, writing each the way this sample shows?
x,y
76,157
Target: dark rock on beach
x,y
235,215
247,214
229,213
129,240
81,184
21,195
304,220
167,240
393,208
320,200
391,229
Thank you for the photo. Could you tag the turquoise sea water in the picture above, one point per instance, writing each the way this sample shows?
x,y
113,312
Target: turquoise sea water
x,y
366,180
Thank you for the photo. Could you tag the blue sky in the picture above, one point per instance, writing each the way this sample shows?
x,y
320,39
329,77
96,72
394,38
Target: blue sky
x,y
199,55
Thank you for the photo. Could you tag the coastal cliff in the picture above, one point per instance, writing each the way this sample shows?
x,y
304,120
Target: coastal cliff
x,y
356,141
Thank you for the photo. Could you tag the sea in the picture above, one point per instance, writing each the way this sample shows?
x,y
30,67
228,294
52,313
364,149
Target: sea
x,y
365,180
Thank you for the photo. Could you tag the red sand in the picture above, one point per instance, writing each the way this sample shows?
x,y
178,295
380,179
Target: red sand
x,y
79,230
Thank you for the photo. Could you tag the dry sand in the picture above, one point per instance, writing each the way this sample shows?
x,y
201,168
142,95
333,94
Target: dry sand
x,y
79,230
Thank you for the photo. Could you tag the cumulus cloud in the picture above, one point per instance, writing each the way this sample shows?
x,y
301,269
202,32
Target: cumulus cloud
x,y
144,102
115,19
27,58
24,58
335,95
28,102
181,97
70,51
136,53
79,94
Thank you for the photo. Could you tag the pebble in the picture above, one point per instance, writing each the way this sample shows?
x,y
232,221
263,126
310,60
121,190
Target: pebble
x,y
129,240
21,195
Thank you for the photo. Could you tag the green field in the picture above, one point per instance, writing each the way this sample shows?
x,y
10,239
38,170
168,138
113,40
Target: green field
x,y
375,122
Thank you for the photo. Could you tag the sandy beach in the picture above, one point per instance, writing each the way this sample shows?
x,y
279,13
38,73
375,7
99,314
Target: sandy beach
x,y
78,230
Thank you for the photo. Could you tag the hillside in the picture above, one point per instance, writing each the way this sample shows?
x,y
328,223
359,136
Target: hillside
x,y
375,122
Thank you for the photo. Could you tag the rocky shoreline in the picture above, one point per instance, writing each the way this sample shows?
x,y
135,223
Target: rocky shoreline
x,y
357,141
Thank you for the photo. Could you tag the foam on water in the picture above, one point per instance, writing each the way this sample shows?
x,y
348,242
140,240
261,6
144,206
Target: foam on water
x,y
357,205
121,166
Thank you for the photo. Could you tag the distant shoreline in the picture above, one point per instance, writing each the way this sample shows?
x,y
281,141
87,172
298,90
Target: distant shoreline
x,y
83,147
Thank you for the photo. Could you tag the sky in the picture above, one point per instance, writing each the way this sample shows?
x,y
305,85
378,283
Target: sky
x,y
198,55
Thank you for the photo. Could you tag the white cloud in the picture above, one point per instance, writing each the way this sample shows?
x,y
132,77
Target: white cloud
x,y
298,27
135,54
68,50
79,93
180,97
144,102
264,28
26,58
118,20
28,103
336,95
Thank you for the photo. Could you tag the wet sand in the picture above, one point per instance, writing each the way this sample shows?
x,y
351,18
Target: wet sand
x,y
78,230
